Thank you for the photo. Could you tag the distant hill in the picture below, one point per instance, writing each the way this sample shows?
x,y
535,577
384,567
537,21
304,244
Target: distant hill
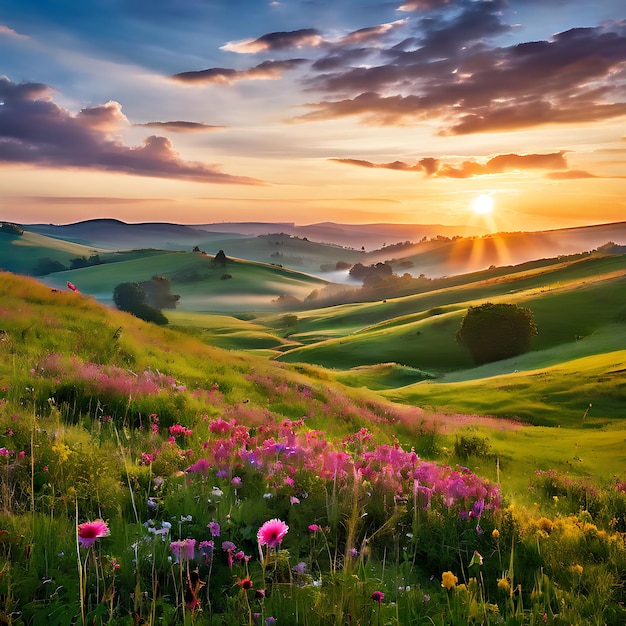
x,y
113,234
462,255
432,250
368,236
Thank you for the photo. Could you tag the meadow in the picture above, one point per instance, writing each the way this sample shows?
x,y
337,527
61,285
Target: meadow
x,y
342,465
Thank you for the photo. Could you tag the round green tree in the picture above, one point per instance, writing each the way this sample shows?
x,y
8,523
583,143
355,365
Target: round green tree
x,y
492,332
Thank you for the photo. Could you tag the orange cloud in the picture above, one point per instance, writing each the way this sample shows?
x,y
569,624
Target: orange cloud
x,y
182,127
496,165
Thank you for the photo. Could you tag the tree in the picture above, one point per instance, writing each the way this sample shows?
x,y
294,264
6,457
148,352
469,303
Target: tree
x,y
492,332
131,297
46,265
159,293
220,259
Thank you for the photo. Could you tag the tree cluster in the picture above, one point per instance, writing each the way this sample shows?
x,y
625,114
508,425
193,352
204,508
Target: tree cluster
x,y
145,300
11,229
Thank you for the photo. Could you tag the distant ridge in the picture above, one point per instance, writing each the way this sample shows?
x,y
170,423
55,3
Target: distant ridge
x,y
114,234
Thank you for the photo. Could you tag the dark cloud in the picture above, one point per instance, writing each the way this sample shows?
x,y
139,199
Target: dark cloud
x,y
496,165
35,130
279,41
182,127
268,70
577,76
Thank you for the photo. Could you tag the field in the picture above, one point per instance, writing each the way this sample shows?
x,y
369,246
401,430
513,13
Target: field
x,y
346,464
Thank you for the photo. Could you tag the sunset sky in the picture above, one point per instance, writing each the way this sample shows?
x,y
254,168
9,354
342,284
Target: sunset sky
x,y
356,111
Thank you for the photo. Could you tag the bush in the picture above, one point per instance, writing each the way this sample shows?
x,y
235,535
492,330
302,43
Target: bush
x,y
131,297
492,332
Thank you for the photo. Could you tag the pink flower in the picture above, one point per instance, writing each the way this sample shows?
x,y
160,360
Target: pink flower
x,y
272,533
88,532
314,528
183,550
378,596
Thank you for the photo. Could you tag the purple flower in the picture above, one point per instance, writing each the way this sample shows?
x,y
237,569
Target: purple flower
x,y
183,550
214,529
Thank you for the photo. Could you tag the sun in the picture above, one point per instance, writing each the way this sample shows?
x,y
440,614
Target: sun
x,y
483,205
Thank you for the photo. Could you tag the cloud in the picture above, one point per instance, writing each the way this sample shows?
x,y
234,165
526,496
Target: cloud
x,y
35,130
268,70
425,5
570,175
447,72
306,37
182,127
5,30
496,165
371,33
83,200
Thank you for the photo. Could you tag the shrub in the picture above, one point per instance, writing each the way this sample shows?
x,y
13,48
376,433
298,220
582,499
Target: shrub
x,y
492,332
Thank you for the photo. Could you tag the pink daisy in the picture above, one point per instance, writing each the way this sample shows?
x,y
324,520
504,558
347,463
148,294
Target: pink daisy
x,y
88,532
272,533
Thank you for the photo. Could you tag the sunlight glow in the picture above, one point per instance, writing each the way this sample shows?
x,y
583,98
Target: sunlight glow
x,y
483,204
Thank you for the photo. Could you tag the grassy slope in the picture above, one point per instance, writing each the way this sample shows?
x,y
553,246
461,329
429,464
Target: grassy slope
x,y
82,327
252,286
578,357
19,254
292,252
419,330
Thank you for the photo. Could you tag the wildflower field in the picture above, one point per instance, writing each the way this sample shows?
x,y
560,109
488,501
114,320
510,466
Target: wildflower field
x,y
147,478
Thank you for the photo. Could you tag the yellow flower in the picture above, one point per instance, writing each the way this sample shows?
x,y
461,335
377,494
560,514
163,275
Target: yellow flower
x,y
577,569
495,533
449,580
504,584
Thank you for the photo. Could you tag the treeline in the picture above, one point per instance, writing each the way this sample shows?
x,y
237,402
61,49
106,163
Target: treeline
x,y
46,265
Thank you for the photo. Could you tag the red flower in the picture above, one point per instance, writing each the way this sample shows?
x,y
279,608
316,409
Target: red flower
x,y
246,584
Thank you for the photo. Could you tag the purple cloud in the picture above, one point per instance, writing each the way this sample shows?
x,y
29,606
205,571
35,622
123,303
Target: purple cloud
x,y
33,129
268,70
271,42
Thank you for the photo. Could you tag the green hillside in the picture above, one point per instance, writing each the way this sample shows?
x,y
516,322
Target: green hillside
x,y
19,254
140,468
202,285
419,330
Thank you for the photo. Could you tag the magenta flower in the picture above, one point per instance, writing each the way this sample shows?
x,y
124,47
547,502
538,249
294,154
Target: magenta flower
x,y
88,532
378,596
272,533
314,528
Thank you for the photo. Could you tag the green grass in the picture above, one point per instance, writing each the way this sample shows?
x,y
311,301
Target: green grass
x,y
555,395
424,337
83,444
252,286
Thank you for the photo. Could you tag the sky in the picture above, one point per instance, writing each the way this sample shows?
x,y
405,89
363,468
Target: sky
x,y
503,114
